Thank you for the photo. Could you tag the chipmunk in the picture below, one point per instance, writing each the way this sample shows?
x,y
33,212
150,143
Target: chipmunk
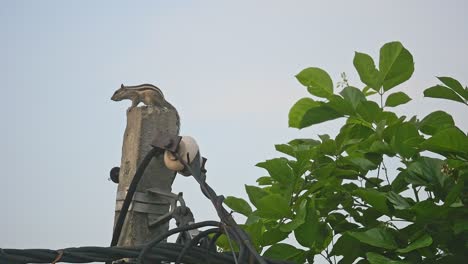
x,y
149,95
146,93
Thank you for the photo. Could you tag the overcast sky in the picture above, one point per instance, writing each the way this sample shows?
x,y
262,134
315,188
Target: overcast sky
x,y
228,67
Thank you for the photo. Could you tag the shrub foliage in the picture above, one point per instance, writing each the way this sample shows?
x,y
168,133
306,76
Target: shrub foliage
x,y
335,196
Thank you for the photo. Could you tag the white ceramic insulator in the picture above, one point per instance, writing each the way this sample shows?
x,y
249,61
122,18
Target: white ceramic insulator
x,y
187,145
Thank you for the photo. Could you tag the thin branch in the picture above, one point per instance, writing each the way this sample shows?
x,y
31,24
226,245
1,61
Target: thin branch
x,y
333,245
429,194
230,244
386,172
415,194
360,204
326,258
378,171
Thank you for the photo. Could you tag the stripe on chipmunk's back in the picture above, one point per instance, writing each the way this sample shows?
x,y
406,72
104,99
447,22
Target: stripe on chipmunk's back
x,y
145,86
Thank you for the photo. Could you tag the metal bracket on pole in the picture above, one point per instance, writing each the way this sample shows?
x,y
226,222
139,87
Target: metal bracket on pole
x,y
141,203
172,199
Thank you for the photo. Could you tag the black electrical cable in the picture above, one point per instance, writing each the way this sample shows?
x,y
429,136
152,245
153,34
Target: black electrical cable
x,y
214,239
148,246
195,241
161,252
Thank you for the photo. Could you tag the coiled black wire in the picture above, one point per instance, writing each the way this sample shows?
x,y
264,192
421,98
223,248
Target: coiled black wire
x,y
161,252
168,252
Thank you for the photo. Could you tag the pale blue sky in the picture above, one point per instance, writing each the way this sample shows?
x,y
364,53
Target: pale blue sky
x,y
228,66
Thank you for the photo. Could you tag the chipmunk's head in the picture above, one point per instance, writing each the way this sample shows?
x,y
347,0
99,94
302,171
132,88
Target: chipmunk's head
x,y
119,95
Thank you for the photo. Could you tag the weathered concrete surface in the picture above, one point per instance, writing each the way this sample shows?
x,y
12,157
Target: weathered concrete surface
x,y
142,124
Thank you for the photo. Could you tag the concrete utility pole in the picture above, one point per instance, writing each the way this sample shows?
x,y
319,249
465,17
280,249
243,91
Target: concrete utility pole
x,y
143,123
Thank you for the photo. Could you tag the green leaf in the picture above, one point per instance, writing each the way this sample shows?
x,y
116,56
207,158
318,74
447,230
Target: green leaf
x,y
427,212
301,149
317,81
348,247
304,141
381,148
279,169
328,147
426,171
298,219
396,65
374,158
313,234
283,251
373,182
255,194
423,241
367,92
367,71
307,112
353,95
450,140
285,148
399,184
377,237
273,236
389,117
380,127
273,206
303,155
265,180
397,201
255,232
339,223
454,193
317,237
362,163
369,111
359,121
345,174
238,205
303,233
324,171
224,243
405,138
340,105
442,92
369,217
351,134
455,85
253,218
377,199
324,137
436,121
460,225
375,258
397,99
